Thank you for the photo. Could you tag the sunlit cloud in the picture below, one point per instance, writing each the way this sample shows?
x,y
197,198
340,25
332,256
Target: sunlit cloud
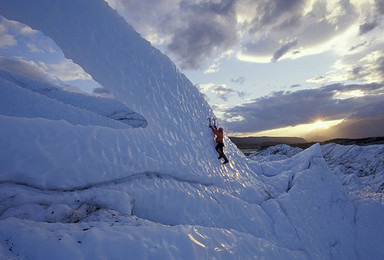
x,y
66,70
219,110
9,29
56,74
6,39
204,88
328,103
349,94
188,31
261,31
223,92
366,69
297,130
216,63
33,48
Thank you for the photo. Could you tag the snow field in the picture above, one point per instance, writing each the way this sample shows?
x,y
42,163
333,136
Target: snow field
x,y
75,185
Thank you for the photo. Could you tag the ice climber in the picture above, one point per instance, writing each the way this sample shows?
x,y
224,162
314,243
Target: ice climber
x,y
219,140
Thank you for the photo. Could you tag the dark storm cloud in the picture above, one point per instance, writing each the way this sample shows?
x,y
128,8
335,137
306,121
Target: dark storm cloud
x,y
366,27
283,109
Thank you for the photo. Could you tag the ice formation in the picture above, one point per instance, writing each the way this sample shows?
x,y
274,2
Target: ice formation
x,y
76,182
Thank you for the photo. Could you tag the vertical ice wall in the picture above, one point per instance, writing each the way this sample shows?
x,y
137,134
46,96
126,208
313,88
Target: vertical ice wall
x,y
177,139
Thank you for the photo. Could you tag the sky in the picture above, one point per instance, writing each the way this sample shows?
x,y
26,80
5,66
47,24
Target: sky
x,y
307,68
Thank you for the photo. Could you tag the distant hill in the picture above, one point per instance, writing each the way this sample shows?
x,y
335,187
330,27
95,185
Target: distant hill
x,y
347,141
245,143
360,141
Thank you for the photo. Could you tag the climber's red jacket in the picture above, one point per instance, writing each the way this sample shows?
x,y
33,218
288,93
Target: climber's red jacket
x,y
219,135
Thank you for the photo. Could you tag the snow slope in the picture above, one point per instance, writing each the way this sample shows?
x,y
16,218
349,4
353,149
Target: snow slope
x,y
76,182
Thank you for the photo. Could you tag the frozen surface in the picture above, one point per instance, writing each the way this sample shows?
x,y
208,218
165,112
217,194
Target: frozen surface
x,y
360,168
274,153
77,182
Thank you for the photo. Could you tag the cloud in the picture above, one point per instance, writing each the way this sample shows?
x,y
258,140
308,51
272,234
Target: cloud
x,y
368,68
204,88
366,27
296,28
283,50
283,109
239,80
23,68
191,32
223,92
9,29
357,128
6,39
53,73
65,70
216,63
379,6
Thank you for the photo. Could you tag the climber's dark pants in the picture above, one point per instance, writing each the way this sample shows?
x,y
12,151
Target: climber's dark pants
x,y
220,148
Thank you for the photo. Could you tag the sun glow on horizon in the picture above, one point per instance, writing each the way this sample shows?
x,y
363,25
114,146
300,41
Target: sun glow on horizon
x,y
294,131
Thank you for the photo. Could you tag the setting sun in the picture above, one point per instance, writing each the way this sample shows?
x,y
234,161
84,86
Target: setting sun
x,y
297,130
323,124
319,124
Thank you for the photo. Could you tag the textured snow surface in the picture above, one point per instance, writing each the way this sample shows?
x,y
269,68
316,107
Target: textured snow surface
x,y
360,168
77,182
274,153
